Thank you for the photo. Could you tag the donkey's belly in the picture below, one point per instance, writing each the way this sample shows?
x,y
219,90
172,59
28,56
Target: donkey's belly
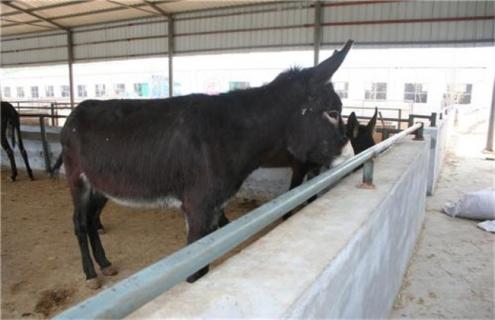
x,y
163,202
132,195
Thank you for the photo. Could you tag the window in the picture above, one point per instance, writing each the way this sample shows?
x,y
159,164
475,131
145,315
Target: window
x,y
65,91
234,85
34,92
81,91
49,91
120,89
342,89
415,92
100,90
6,92
375,91
460,93
141,89
20,92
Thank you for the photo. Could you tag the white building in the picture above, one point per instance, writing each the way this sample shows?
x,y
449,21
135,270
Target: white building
x,y
417,80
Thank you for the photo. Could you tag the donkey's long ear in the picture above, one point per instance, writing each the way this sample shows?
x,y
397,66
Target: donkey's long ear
x,y
371,125
324,71
352,126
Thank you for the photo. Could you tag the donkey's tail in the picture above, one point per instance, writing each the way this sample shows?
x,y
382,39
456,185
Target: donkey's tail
x,y
54,170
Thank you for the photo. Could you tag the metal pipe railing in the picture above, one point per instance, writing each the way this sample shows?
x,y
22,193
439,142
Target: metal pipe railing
x,y
145,285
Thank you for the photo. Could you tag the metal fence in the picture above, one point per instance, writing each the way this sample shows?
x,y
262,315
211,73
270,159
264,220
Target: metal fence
x,y
53,110
54,114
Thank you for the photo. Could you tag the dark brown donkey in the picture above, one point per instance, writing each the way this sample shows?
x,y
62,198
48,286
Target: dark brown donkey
x,y
194,151
10,117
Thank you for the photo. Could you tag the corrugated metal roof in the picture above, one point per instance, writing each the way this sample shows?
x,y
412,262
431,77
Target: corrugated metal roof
x,y
22,16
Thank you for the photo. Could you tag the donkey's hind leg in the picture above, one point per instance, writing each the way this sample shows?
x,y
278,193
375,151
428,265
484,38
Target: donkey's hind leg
x,y
81,197
23,152
96,203
10,154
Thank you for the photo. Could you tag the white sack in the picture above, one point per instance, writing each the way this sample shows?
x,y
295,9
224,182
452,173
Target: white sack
x,y
488,225
478,205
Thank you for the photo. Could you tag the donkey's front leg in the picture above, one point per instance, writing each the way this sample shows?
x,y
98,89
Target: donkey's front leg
x,y
201,220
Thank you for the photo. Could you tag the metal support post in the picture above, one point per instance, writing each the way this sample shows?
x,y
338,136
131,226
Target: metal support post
x,y
491,124
418,134
456,117
170,21
411,121
433,119
368,175
44,143
52,114
70,59
317,32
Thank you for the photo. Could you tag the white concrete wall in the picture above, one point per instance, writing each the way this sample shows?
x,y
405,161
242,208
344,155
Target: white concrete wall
x,y
343,255
34,149
439,138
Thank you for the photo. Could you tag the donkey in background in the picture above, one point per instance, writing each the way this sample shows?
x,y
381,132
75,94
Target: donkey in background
x,y
361,136
10,118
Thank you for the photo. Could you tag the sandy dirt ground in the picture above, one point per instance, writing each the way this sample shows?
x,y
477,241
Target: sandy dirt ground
x,y
41,270
451,274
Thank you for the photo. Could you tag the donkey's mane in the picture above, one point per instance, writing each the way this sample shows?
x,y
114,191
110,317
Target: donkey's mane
x,y
287,75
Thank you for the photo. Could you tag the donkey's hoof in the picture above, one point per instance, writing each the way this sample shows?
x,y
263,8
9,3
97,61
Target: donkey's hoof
x,y
109,271
194,277
12,178
93,283
101,231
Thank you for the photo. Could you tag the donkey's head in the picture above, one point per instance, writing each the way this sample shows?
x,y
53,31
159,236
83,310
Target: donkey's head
x,y
316,133
361,136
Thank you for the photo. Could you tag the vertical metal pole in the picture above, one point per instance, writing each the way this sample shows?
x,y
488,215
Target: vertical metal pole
x,y
433,119
70,59
418,134
368,175
317,32
456,117
400,119
52,114
411,120
491,123
44,143
170,20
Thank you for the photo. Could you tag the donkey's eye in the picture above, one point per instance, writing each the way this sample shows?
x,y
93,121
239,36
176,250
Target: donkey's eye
x,y
333,114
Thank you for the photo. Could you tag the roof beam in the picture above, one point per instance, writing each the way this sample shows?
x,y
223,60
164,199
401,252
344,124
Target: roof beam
x,y
13,6
17,23
157,8
51,6
131,7
73,15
